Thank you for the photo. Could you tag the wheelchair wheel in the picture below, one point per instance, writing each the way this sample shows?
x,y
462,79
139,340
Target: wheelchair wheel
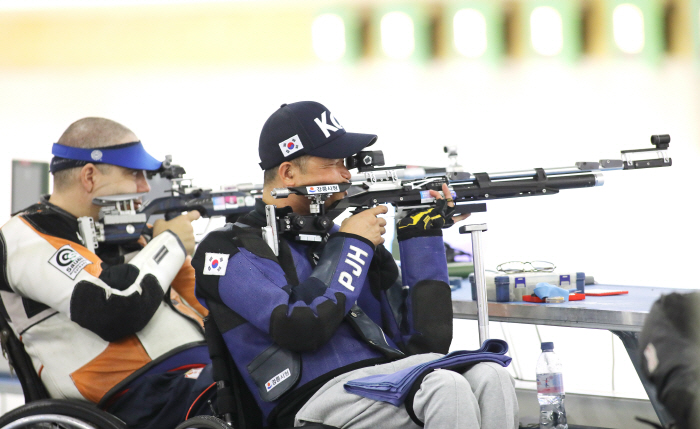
x,y
203,422
59,414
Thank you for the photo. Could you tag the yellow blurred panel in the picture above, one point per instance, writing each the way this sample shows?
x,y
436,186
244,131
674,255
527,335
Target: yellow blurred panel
x,y
679,27
155,36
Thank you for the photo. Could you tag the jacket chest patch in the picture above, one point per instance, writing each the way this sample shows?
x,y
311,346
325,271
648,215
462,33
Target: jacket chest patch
x,y
68,261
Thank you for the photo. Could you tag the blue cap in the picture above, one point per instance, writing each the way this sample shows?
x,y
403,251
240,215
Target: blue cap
x,y
128,155
307,128
547,346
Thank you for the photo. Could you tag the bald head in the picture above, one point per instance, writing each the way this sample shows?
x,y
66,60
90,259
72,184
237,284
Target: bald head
x,y
89,133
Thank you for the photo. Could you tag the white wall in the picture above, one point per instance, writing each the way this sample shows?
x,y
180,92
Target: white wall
x,y
639,228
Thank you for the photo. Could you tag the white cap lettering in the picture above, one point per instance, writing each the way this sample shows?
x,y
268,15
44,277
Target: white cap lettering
x,y
324,126
334,121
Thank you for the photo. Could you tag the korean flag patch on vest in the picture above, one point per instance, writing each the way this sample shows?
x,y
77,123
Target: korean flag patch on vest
x,y
215,264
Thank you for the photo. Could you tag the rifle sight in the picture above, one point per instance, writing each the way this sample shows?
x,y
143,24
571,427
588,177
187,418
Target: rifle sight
x,y
365,160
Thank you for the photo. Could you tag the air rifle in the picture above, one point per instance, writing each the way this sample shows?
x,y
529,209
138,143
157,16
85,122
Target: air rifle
x,y
122,220
407,188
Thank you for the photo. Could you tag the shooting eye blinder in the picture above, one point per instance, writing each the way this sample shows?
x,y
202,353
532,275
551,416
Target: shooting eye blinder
x,y
365,160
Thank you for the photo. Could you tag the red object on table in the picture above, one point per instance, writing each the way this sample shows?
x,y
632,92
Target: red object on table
x,y
605,292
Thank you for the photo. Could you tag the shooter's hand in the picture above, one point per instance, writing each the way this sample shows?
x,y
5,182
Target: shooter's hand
x,y
450,203
180,226
428,221
366,224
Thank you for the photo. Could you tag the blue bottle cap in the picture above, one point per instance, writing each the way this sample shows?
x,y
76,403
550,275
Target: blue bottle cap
x,y
547,346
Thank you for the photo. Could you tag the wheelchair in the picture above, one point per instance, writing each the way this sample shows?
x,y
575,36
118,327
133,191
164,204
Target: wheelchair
x,y
235,406
39,410
42,412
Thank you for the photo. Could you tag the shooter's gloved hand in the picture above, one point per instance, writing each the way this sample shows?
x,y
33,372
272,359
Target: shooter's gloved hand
x,y
426,222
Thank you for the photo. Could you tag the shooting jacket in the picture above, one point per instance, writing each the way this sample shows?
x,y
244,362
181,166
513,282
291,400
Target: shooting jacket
x,y
89,325
294,321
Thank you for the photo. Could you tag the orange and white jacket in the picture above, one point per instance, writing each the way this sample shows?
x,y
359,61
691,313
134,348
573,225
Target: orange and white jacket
x,y
86,324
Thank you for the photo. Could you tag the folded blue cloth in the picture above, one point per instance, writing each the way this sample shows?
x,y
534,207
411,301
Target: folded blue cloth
x,y
546,290
393,388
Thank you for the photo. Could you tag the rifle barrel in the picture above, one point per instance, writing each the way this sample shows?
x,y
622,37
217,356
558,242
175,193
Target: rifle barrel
x,y
530,173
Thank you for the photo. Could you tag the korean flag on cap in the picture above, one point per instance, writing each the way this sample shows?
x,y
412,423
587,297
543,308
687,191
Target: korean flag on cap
x,y
215,264
291,145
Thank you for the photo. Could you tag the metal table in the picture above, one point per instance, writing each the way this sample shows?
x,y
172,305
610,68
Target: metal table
x,y
618,312
623,315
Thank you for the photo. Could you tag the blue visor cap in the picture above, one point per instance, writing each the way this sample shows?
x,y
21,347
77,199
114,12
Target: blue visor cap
x,y
128,155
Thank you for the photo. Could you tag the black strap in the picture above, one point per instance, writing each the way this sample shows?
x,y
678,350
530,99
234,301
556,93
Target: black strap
x,y
251,239
371,333
408,403
286,261
228,396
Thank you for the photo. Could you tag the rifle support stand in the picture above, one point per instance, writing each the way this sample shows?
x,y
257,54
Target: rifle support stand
x,y
482,306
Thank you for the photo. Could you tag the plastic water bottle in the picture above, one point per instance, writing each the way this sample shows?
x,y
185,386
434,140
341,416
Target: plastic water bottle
x,y
550,389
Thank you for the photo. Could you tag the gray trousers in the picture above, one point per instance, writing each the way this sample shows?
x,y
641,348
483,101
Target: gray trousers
x,y
482,397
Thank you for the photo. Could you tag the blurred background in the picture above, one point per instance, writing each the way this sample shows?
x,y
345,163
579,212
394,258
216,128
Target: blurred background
x,y
514,84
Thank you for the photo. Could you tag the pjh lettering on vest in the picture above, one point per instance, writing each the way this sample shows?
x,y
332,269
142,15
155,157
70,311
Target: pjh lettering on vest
x,y
352,259
324,126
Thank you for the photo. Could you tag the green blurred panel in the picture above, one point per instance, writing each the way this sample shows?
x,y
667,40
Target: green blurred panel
x,y
553,28
325,38
402,31
636,28
474,29
460,269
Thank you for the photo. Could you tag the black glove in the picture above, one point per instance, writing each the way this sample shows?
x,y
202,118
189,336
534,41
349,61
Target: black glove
x,y
426,221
